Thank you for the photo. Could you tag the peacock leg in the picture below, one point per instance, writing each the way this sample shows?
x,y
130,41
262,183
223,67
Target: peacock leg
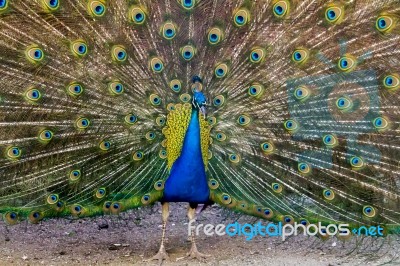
x,y
162,254
194,253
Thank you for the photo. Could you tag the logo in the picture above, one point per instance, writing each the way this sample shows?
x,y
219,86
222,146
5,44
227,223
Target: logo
x,y
249,231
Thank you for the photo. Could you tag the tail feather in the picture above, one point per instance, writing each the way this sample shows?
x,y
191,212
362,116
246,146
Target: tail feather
x,y
302,99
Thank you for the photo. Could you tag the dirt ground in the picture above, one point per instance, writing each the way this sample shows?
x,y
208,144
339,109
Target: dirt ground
x,y
134,236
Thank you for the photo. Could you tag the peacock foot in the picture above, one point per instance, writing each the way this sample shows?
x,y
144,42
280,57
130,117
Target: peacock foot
x,y
160,256
195,254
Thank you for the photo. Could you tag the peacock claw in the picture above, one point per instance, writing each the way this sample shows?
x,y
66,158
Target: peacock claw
x,y
160,256
195,254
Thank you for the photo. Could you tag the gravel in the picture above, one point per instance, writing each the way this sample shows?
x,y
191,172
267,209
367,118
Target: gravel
x,y
134,236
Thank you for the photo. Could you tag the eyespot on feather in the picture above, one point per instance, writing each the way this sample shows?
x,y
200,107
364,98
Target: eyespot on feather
x,y
13,153
82,123
96,8
33,95
79,48
281,8
215,36
168,30
137,15
50,5
156,65
241,17
119,54
34,54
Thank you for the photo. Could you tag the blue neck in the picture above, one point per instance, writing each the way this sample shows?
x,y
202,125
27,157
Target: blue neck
x,y
187,181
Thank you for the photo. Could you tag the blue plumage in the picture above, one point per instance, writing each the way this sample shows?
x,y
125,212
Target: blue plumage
x,y
187,181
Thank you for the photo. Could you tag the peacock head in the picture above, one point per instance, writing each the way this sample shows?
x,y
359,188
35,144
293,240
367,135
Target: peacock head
x,y
199,101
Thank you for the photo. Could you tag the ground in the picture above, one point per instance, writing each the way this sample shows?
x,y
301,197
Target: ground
x,y
134,236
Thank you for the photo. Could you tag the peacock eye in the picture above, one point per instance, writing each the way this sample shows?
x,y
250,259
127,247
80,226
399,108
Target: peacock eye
x,y
215,36
330,140
185,97
281,9
3,5
213,184
347,63
391,82
52,199
75,175
302,93
100,193
168,30
79,48
34,54
33,95
277,188
300,55
212,120
241,17
304,222
175,85
288,219
50,5
234,158
385,23
146,199
380,123
137,15
11,217
221,70
156,65
188,52
116,88
188,4
226,199
255,90
131,119
356,162
328,194
219,101
257,55
105,145
150,135
291,125
137,156
334,13
75,89
267,147
155,99
96,8
118,54
304,168
369,211
162,154
46,136
344,104
220,136
267,211
14,153
36,215
76,208
243,120
159,185
82,123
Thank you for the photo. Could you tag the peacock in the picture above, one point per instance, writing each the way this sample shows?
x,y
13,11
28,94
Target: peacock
x,y
285,110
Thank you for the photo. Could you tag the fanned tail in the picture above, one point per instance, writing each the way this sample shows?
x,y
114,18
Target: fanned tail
x,y
303,106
